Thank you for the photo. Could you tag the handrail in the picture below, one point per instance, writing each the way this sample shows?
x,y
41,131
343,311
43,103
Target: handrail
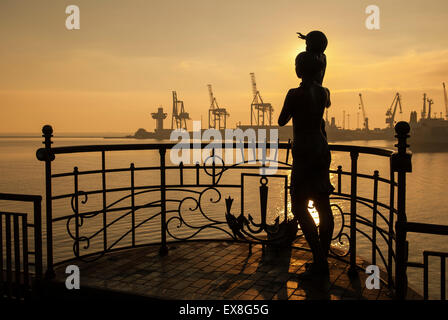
x,y
427,228
399,162
233,145
20,197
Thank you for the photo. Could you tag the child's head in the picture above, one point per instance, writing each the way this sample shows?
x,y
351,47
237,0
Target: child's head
x,y
316,41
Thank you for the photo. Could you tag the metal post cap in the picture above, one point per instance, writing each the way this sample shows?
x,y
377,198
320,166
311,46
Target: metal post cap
x,y
402,128
47,129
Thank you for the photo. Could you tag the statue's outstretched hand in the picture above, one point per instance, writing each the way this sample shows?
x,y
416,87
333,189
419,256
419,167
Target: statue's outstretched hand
x,y
301,36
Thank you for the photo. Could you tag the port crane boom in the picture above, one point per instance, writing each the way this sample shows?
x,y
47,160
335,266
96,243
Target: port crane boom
x,y
390,114
364,116
179,117
260,112
217,117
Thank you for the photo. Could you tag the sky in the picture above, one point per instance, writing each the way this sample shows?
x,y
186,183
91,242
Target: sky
x,y
128,56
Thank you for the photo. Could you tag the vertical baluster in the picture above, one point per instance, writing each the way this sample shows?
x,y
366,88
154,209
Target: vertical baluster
x,y
442,278
353,197
133,203
287,150
263,189
425,276
391,227
339,179
213,167
38,238
374,217
8,255
76,207
181,173
163,249
1,250
16,255
25,253
103,176
197,173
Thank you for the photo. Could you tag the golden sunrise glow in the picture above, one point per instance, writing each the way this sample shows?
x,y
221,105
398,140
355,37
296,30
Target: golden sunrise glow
x,y
126,59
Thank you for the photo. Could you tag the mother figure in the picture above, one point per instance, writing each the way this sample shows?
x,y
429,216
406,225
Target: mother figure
x,y
311,158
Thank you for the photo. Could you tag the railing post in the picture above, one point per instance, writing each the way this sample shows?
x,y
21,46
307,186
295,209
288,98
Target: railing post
x,y
339,179
104,186
353,197
163,248
401,163
45,154
76,207
391,227
38,237
425,276
132,169
374,215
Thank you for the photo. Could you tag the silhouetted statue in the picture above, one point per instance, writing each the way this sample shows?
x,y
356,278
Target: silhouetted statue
x,y
311,158
316,43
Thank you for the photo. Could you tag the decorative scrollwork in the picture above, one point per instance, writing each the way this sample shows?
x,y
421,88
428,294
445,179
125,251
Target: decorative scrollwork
x,y
75,207
195,205
80,217
340,247
214,173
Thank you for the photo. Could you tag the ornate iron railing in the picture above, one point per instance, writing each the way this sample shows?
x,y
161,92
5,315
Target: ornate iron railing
x,y
20,266
173,201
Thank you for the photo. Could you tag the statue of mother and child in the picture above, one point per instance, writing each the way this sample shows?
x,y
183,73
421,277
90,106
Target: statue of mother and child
x,y
310,178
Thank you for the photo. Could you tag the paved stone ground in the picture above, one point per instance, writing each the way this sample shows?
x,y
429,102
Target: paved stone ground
x,y
220,270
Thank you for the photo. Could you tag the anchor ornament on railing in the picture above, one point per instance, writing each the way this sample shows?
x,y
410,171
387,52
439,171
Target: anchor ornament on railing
x,y
248,230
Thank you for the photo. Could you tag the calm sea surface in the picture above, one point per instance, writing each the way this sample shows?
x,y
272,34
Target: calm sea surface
x,y
21,172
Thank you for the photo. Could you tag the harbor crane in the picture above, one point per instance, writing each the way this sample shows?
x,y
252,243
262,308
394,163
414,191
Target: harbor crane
x,y
364,116
390,113
179,117
446,101
216,116
260,112
430,103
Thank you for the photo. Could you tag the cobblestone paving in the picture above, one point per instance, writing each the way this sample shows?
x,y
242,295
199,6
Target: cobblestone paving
x,y
220,270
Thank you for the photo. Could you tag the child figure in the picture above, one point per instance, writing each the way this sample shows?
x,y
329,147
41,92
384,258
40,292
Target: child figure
x,y
316,43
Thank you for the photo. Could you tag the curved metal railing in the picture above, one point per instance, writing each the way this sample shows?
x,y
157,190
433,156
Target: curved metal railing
x,y
196,190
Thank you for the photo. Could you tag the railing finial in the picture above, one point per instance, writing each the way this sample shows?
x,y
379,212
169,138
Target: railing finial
x,y
45,154
401,160
402,129
47,130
